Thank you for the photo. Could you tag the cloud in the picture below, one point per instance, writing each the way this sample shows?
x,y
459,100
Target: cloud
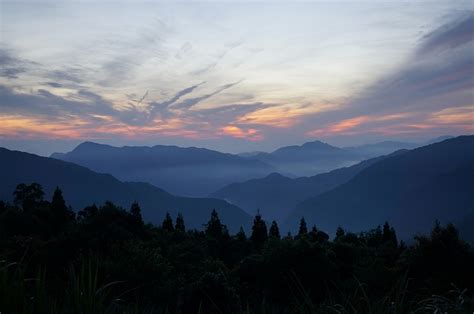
x,y
234,131
162,108
43,103
10,66
190,102
448,36
126,54
86,114
439,75
54,84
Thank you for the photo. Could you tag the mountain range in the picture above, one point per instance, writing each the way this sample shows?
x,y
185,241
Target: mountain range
x,y
82,187
410,190
185,171
307,159
206,171
275,195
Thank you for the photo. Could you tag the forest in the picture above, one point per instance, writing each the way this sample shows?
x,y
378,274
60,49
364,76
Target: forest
x,y
106,259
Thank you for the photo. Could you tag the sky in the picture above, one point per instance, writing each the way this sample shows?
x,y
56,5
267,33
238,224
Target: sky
x,y
233,76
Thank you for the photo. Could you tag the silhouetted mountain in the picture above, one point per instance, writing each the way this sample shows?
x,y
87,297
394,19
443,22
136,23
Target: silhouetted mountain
x,y
308,159
83,187
184,171
410,190
275,195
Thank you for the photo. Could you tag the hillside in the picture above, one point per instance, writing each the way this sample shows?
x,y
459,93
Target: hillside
x,y
83,187
410,190
275,195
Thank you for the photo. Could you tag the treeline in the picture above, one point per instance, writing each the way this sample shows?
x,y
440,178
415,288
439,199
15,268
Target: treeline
x,y
105,259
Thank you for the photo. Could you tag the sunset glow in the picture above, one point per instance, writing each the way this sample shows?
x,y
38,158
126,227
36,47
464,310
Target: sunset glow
x,y
126,73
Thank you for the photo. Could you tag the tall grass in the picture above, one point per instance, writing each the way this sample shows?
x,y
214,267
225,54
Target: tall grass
x,y
84,293
20,293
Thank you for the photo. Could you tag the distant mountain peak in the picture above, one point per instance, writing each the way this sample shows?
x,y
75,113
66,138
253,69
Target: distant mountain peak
x,y
317,144
313,145
87,145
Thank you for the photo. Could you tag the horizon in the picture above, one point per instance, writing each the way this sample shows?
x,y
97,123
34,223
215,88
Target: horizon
x,y
233,77
71,146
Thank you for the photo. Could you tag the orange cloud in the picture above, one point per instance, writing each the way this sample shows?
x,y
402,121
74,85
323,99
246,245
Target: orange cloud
x,y
456,116
347,126
284,116
74,128
250,134
13,126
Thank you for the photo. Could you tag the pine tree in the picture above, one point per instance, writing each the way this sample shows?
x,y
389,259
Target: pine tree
x,y
389,236
179,225
61,212
274,231
303,231
241,236
259,231
214,228
168,223
136,212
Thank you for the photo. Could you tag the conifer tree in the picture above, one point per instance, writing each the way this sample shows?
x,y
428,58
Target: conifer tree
x,y
61,213
241,236
313,234
136,212
179,225
214,228
274,230
259,231
168,223
58,205
303,231
389,237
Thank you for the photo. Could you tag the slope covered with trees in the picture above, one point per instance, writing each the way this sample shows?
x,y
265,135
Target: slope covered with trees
x,y
82,187
106,259
275,195
411,190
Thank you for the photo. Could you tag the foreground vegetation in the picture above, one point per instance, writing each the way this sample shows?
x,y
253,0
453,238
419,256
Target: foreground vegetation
x,y
107,260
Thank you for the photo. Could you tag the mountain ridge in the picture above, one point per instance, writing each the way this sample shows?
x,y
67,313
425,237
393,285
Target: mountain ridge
x,y
165,166
410,190
82,187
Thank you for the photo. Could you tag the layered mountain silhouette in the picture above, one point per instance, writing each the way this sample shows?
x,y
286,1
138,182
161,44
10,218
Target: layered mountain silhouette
x,y
184,171
275,195
82,187
411,190
308,159
317,157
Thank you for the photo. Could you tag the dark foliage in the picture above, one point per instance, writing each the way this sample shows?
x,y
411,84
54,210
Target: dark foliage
x,y
106,260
